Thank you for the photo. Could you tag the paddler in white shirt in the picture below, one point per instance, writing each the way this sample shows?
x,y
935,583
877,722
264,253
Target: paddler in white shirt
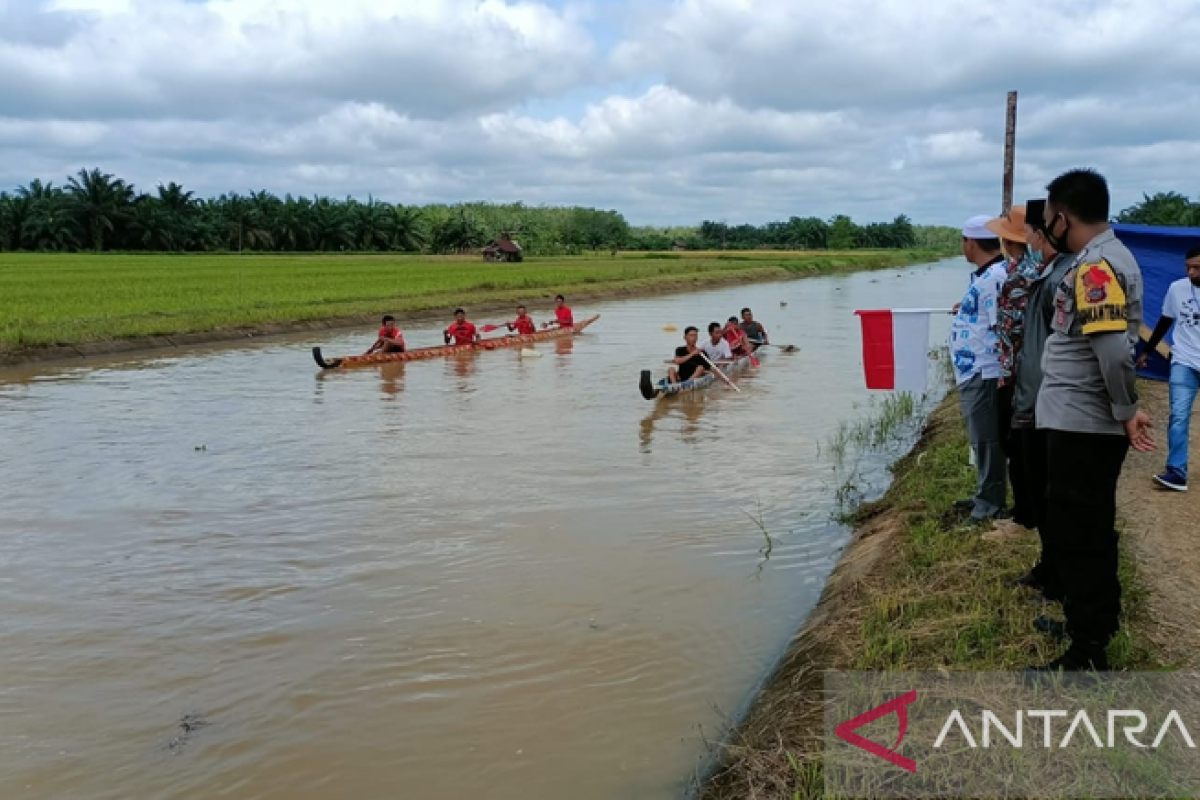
x,y
717,348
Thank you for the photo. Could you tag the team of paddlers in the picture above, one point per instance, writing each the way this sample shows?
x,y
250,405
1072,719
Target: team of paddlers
x,y
462,331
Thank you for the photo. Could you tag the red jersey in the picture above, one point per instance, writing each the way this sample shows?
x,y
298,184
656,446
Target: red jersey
x,y
394,333
524,325
462,333
564,317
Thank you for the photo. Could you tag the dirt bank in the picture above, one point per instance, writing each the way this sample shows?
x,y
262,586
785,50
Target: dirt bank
x,y
915,590
1162,528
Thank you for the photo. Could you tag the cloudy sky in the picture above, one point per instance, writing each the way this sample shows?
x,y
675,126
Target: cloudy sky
x,y
671,111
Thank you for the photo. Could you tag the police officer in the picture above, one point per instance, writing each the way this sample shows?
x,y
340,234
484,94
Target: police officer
x,y
1088,406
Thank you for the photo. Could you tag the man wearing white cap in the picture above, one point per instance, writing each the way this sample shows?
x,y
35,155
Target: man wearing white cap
x,y
975,351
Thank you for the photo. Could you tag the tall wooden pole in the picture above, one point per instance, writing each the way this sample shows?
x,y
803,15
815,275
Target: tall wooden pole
x,y
1010,145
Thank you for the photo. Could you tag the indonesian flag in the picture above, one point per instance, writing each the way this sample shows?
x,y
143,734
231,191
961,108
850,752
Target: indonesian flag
x,y
896,349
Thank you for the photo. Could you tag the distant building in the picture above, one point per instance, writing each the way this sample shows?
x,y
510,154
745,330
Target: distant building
x,y
678,245
503,249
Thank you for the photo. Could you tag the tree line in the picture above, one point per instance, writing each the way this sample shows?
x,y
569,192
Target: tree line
x,y
1165,208
98,211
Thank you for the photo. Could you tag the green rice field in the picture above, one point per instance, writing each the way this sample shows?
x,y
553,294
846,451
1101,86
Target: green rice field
x,y
68,299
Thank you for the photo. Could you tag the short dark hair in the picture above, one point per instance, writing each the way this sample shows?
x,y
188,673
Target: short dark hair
x,y
714,326
1082,192
689,329
521,306
1035,214
747,311
988,245
458,311
732,319
1193,253
388,318
560,297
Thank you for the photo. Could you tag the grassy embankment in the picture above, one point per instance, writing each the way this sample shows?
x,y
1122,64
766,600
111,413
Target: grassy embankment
x,y
49,299
915,591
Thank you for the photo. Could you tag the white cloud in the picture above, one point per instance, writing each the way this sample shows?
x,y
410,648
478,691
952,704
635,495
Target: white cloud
x,y
743,109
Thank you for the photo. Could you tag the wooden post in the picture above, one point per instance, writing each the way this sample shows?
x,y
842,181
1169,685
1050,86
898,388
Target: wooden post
x,y
1010,144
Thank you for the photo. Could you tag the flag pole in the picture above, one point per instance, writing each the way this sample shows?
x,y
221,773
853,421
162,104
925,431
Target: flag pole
x,y
1010,146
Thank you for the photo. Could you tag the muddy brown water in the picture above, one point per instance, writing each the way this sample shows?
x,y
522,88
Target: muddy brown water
x,y
223,574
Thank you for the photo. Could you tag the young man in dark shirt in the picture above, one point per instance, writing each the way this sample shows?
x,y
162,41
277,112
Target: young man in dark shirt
x,y
689,361
754,331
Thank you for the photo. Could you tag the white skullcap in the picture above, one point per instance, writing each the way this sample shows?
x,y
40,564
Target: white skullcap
x,y
976,227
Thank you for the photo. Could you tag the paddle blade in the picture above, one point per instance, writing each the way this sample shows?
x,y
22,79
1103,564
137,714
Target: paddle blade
x,y
490,328
670,328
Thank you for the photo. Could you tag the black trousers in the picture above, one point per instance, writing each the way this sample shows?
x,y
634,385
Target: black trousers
x,y
1079,531
1025,450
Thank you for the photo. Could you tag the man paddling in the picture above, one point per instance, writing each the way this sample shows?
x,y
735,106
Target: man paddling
x,y
390,340
689,359
563,318
461,332
716,348
523,324
738,344
754,331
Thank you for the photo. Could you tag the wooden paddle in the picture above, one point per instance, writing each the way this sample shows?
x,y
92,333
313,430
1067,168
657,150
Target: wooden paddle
x,y
720,374
787,348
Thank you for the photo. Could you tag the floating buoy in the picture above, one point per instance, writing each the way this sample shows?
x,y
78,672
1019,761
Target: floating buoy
x,y
528,352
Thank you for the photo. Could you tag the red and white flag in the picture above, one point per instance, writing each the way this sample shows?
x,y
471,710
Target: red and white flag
x,y
896,348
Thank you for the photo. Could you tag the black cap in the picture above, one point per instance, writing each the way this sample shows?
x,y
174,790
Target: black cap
x,y
1035,214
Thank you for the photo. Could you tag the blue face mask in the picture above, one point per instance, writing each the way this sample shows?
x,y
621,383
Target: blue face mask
x,y
1034,255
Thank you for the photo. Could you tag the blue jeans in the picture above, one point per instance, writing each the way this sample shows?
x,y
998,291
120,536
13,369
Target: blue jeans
x,y
1185,383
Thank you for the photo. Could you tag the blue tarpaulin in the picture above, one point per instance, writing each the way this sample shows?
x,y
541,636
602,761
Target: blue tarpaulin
x,y
1160,253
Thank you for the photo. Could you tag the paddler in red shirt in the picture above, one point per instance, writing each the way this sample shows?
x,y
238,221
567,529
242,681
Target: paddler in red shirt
x,y
462,332
562,314
736,337
390,340
523,324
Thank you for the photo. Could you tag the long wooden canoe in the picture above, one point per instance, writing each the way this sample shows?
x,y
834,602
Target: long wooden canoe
x,y
422,353
652,390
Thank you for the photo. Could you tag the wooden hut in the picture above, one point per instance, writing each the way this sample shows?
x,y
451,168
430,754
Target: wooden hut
x,y
502,250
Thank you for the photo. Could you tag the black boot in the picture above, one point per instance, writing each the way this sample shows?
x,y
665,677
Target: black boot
x,y
1029,580
1051,627
1080,657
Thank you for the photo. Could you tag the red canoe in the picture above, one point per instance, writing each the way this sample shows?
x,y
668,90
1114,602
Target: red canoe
x,y
422,353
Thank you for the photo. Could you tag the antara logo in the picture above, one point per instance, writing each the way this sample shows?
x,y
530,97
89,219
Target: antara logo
x,y
899,707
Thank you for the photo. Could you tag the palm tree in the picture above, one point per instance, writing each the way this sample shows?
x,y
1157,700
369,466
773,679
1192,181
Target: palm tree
x,y
331,226
408,228
175,199
295,224
14,213
101,201
372,223
52,227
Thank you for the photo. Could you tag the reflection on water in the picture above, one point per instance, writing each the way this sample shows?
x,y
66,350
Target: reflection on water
x,y
392,377
488,575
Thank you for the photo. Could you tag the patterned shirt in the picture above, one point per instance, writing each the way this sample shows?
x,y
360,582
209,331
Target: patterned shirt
x,y
974,346
1010,328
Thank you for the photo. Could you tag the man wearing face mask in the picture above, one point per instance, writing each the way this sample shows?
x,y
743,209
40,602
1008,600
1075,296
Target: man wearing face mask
x,y
1010,308
1044,268
1088,407
1181,308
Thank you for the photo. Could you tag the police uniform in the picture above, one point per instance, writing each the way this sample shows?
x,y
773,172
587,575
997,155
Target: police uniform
x,y
1088,391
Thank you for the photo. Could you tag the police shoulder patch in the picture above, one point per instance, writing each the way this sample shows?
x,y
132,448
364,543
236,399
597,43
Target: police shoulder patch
x,y
1100,298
